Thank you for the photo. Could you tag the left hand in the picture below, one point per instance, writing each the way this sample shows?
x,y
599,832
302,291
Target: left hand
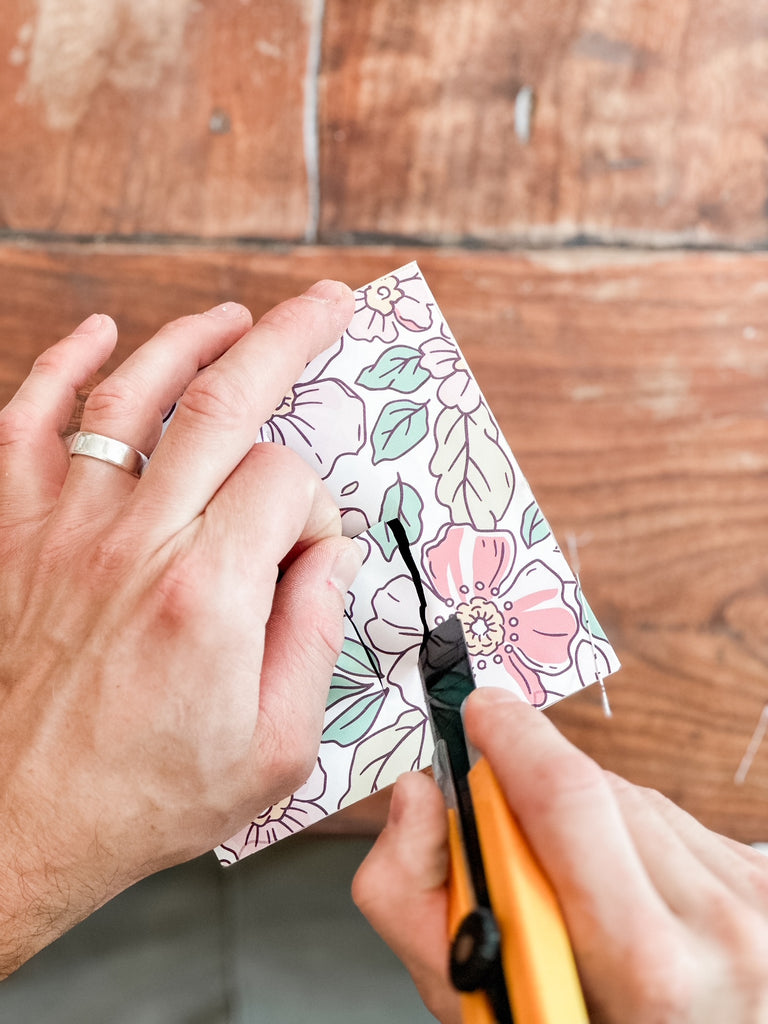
x,y
158,685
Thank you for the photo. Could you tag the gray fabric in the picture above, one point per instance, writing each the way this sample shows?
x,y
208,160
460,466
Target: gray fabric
x,y
273,940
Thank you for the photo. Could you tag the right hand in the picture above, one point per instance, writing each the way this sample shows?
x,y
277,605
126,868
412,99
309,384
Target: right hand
x,y
668,921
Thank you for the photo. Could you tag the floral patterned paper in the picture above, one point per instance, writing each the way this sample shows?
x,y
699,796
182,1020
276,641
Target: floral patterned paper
x,y
394,422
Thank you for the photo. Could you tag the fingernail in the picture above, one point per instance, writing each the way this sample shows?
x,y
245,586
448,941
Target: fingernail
x,y
346,567
227,311
326,291
90,325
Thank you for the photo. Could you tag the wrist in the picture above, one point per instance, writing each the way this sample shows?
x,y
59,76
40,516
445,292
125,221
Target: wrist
x,y
49,879
39,899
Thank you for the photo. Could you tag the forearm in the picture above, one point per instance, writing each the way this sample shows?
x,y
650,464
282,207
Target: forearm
x,y
54,871
38,902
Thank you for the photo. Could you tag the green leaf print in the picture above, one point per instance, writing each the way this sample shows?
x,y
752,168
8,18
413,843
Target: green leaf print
x,y
533,526
475,478
355,721
398,368
399,428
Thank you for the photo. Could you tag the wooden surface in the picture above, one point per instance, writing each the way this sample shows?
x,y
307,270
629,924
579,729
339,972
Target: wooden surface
x,y
123,117
631,385
633,390
648,120
333,120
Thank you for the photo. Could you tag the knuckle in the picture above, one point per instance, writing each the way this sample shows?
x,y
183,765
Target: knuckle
x,y
315,647
299,768
326,515
176,332
17,421
119,395
179,595
213,396
291,757
743,932
287,776
181,325
750,968
330,637
52,362
280,460
365,884
757,877
288,318
273,457
572,777
193,323
111,556
311,498
661,976
295,763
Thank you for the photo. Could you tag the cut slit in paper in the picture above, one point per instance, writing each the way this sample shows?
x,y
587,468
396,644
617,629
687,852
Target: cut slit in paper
x,y
394,422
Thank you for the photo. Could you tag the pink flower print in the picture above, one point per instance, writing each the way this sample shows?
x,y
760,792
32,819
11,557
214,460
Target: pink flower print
x,y
280,820
458,389
523,627
321,420
386,307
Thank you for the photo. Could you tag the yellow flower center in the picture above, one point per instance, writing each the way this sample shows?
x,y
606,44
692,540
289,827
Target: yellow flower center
x,y
383,295
483,625
286,405
275,812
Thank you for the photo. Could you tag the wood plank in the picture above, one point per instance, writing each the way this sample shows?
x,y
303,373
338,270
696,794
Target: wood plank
x,y
647,123
137,117
632,388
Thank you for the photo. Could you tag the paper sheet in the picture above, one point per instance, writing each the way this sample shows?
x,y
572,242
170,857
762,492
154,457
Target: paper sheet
x,y
394,422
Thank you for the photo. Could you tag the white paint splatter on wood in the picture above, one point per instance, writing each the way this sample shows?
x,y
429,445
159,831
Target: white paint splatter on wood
x,y
524,103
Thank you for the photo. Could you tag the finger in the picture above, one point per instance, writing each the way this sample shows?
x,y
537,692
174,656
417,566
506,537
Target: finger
x,y
304,636
401,889
675,846
130,403
221,412
33,461
571,818
270,509
273,510
697,835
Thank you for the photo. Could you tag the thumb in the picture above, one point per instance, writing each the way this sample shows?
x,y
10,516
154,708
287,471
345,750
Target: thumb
x,y
304,635
401,889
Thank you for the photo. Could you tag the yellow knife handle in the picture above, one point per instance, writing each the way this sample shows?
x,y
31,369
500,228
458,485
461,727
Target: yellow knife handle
x,y
475,1008
537,957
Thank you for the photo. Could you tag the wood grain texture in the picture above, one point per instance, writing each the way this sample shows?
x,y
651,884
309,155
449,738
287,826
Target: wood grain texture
x,y
632,389
648,121
121,117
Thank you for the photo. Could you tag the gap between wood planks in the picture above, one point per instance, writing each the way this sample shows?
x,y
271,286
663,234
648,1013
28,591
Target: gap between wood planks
x,y
311,123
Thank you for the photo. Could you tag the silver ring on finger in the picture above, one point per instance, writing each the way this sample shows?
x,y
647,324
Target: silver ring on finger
x,y
107,449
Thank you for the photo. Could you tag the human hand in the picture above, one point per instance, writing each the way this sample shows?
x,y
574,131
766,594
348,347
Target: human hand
x,y
668,920
158,687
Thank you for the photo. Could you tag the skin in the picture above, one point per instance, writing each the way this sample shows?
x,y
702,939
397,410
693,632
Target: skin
x,y
158,685
668,920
